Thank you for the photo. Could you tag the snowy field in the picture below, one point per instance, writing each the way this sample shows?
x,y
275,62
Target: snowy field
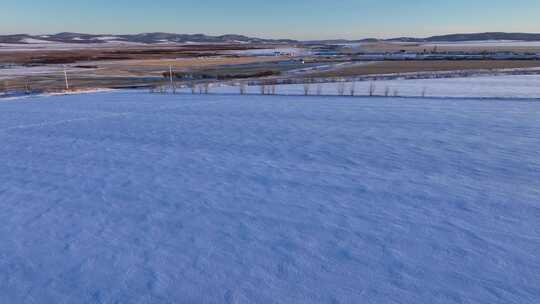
x,y
489,43
140,198
272,51
38,45
510,86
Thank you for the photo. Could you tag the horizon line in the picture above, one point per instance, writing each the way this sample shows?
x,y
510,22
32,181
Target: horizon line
x,y
262,37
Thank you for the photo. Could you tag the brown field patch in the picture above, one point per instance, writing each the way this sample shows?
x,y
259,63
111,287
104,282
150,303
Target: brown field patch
x,y
158,66
69,56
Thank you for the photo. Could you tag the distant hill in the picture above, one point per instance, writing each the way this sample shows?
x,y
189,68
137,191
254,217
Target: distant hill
x,y
473,37
148,38
493,36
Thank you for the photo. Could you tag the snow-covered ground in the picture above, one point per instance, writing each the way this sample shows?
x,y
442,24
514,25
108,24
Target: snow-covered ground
x,y
35,41
140,198
512,86
489,43
110,38
22,71
292,51
36,45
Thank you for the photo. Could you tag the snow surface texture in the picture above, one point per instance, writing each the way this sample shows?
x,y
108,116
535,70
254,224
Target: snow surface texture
x,y
513,86
140,198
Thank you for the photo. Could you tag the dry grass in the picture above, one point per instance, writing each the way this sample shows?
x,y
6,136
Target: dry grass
x,y
158,66
70,56
195,62
122,65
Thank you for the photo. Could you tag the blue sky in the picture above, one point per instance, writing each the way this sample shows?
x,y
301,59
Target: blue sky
x,y
300,19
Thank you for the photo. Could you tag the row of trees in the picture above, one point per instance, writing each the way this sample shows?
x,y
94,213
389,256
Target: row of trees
x,y
342,89
195,88
310,87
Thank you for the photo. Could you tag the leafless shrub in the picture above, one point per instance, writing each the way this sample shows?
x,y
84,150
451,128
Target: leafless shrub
x,y
27,89
341,88
193,88
371,89
353,88
396,93
242,88
206,88
307,87
424,92
319,89
273,88
263,89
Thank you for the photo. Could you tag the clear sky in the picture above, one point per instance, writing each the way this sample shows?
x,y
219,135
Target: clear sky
x,y
300,19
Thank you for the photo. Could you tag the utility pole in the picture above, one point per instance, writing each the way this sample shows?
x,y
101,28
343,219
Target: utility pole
x,y
66,78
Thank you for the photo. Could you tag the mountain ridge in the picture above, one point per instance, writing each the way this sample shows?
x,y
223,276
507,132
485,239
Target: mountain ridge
x,y
485,36
146,38
162,37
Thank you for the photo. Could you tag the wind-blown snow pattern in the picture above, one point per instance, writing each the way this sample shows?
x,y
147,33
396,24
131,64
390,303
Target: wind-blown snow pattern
x,y
140,198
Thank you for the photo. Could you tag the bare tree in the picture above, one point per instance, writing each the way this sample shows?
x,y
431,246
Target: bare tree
x,y
200,86
242,88
341,88
192,87
263,89
273,89
27,89
206,88
372,89
353,88
307,87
